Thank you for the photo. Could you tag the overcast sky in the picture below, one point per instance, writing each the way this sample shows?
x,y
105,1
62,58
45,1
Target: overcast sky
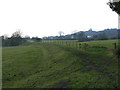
x,y
47,17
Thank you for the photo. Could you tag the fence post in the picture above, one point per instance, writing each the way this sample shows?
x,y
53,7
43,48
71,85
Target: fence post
x,y
115,45
79,45
76,45
69,44
73,44
66,43
85,46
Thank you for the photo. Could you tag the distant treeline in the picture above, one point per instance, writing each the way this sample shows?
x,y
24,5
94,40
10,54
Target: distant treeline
x,y
88,35
16,39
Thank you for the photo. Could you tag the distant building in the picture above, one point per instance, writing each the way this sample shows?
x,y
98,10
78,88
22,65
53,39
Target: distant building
x,y
72,37
89,36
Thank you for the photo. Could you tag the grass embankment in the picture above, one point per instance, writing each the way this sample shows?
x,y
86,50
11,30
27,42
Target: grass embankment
x,y
42,65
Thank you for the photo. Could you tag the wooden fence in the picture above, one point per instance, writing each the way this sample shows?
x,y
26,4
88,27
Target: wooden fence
x,y
75,44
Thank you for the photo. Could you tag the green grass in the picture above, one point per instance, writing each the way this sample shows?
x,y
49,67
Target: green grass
x,y
46,65
104,43
99,46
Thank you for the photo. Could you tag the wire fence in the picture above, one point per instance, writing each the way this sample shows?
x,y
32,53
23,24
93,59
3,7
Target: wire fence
x,y
76,44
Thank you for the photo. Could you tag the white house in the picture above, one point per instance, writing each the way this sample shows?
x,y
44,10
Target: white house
x,y
89,36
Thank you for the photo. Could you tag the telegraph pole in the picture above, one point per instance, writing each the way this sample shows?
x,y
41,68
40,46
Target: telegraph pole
x,y
118,27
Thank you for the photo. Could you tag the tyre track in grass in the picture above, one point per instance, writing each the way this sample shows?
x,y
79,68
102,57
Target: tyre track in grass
x,y
89,65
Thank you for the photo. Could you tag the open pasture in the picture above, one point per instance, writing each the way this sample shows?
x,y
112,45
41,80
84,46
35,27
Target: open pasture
x,y
75,43
54,65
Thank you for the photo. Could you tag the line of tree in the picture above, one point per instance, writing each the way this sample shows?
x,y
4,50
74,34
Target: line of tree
x,y
87,35
17,39
36,39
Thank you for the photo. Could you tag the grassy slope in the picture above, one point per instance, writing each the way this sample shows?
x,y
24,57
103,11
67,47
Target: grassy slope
x,y
46,65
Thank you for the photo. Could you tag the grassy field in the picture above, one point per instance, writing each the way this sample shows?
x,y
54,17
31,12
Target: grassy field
x,y
104,43
53,65
100,46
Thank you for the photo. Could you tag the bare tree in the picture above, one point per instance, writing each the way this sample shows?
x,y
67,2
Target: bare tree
x,y
61,33
16,38
18,33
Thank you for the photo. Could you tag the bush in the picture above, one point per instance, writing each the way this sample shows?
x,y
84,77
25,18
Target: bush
x,y
15,40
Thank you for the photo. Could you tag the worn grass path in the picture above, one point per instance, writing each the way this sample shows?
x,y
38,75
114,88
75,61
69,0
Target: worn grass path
x,y
53,66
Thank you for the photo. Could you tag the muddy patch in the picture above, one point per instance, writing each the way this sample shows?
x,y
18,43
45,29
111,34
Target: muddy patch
x,y
61,84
